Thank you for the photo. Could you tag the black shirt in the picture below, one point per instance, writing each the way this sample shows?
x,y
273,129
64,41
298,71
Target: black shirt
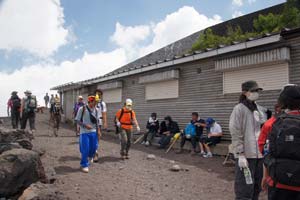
x,y
199,129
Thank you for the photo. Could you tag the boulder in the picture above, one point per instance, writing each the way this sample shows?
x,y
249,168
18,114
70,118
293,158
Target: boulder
x,y
10,137
19,168
40,191
8,146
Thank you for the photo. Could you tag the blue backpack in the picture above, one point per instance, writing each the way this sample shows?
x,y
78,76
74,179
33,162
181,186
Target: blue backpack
x,y
190,129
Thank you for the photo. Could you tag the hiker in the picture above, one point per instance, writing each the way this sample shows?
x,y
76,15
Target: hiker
x,y
192,132
87,119
52,102
28,107
162,128
266,129
46,99
102,109
172,129
245,122
15,106
125,118
77,105
152,129
214,134
282,153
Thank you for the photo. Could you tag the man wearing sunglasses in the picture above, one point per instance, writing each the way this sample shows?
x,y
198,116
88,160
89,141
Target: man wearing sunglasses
x,y
87,119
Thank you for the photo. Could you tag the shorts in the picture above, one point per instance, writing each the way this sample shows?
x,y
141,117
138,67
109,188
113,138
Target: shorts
x,y
212,141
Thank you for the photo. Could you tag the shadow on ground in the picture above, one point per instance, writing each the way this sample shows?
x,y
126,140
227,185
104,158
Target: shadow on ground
x,y
63,170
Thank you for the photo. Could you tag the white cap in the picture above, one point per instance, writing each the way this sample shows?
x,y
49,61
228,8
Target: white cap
x,y
128,102
80,97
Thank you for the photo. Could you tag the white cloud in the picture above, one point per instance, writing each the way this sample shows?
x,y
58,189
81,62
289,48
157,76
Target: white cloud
x,y
32,25
173,27
128,37
40,77
237,13
132,42
237,2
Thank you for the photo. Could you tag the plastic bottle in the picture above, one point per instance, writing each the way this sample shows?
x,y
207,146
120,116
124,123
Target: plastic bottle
x,y
248,177
266,148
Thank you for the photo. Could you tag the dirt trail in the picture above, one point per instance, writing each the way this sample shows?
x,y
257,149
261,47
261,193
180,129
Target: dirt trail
x,y
136,178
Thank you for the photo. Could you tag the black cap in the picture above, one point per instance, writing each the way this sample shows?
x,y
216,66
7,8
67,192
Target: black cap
x,y
14,92
250,86
153,114
290,97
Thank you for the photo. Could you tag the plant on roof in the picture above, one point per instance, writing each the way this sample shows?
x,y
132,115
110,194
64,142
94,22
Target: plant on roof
x,y
270,23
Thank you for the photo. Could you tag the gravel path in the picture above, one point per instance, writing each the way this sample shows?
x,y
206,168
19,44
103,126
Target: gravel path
x,y
136,178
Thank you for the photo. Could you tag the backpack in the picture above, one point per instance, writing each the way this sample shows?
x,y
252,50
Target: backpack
x,y
190,129
283,160
16,103
121,115
31,104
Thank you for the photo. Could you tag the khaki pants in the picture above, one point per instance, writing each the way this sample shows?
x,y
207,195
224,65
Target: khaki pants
x,y
125,140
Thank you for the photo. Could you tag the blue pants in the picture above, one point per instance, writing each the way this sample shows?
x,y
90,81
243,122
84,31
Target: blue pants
x,y
88,144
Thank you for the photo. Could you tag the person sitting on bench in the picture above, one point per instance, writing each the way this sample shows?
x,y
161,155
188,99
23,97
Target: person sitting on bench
x,y
214,134
172,129
192,132
152,126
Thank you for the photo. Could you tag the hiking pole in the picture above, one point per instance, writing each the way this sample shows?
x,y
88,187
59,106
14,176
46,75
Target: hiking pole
x,y
139,138
175,138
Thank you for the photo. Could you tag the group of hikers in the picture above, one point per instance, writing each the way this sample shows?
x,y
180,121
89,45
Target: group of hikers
x,y
22,110
266,147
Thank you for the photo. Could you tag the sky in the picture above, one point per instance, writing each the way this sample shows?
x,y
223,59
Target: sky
x,y
45,43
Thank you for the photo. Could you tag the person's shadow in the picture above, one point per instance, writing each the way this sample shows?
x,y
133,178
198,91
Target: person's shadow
x,y
108,159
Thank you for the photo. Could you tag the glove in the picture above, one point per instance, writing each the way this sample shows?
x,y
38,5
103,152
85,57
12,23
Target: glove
x,y
118,124
243,163
138,129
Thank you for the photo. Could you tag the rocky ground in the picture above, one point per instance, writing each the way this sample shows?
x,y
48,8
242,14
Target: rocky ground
x,y
136,178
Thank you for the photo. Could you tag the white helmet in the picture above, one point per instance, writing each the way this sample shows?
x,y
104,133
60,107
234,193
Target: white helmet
x,y
128,102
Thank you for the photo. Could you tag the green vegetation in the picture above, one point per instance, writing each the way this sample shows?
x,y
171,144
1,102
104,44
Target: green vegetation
x,y
270,23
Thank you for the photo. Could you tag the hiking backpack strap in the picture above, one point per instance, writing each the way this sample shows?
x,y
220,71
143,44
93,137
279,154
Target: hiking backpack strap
x,y
83,110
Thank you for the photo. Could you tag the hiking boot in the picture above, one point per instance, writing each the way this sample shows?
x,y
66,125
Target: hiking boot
x,y
202,153
127,156
85,169
96,157
208,155
147,143
143,143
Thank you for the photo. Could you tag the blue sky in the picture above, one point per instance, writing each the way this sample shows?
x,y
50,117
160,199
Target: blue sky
x,y
72,40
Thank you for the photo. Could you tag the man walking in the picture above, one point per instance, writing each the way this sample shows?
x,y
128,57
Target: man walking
x,y
245,122
125,118
15,105
28,107
46,99
87,119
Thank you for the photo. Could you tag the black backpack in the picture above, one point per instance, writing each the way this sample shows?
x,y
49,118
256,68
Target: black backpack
x,y
16,103
283,160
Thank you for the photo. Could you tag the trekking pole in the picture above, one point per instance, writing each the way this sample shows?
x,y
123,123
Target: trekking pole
x,y
139,138
175,138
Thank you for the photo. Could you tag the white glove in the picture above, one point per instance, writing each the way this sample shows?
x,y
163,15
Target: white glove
x,y
243,163
118,124
138,129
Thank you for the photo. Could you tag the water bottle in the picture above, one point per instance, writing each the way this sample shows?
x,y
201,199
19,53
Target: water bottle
x,y
248,177
266,148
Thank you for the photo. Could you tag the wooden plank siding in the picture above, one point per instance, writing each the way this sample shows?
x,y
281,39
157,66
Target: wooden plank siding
x,y
201,92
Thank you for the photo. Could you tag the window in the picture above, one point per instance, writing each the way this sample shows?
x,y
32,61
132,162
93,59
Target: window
x,y
269,77
112,96
162,90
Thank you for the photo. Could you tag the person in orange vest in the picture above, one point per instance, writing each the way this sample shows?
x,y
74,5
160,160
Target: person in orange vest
x,y
125,119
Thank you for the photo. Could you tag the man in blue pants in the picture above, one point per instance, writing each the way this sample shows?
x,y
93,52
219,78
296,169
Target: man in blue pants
x,y
87,119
